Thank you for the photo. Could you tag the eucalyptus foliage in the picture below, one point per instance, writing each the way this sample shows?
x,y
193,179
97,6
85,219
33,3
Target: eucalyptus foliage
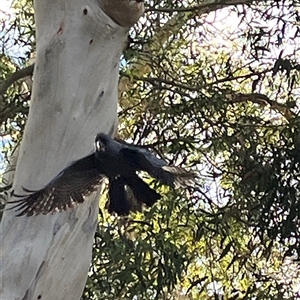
x,y
214,87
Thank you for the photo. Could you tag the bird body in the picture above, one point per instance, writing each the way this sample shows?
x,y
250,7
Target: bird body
x,y
114,159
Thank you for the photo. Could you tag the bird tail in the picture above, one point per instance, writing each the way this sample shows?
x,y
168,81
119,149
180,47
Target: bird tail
x,y
141,191
129,194
181,177
118,201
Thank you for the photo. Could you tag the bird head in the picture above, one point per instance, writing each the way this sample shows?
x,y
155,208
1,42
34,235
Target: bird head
x,y
101,142
105,144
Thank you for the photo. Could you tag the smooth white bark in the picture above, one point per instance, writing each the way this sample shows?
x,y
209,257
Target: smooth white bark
x,y
74,97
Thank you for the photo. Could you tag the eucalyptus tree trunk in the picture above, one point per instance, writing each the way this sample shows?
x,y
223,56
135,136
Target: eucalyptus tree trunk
x,y
79,43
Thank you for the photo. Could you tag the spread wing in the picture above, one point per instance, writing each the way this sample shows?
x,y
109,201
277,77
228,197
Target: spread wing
x,y
144,160
67,189
154,160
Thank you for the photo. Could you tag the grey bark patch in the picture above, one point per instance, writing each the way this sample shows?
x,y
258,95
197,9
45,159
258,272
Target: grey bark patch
x,y
72,220
41,269
113,129
58,224
98,100
89,225
28,294
54,48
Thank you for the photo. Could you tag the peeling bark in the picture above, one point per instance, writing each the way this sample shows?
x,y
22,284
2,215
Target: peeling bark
x,y
74,97
123,12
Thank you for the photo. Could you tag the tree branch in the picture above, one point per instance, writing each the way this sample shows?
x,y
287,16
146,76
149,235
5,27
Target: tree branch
x,y
15,77
263,100
203,7
116,11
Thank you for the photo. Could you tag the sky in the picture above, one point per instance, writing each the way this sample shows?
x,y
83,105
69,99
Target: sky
x,y
5,12
5,9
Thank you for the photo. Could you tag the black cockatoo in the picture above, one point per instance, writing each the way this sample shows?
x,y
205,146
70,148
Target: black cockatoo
x,y
114,159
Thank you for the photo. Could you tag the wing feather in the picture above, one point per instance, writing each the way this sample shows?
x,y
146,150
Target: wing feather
x,y
66,190
169,175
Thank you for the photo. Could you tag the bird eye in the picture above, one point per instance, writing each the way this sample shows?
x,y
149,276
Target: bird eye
x,y
100,146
